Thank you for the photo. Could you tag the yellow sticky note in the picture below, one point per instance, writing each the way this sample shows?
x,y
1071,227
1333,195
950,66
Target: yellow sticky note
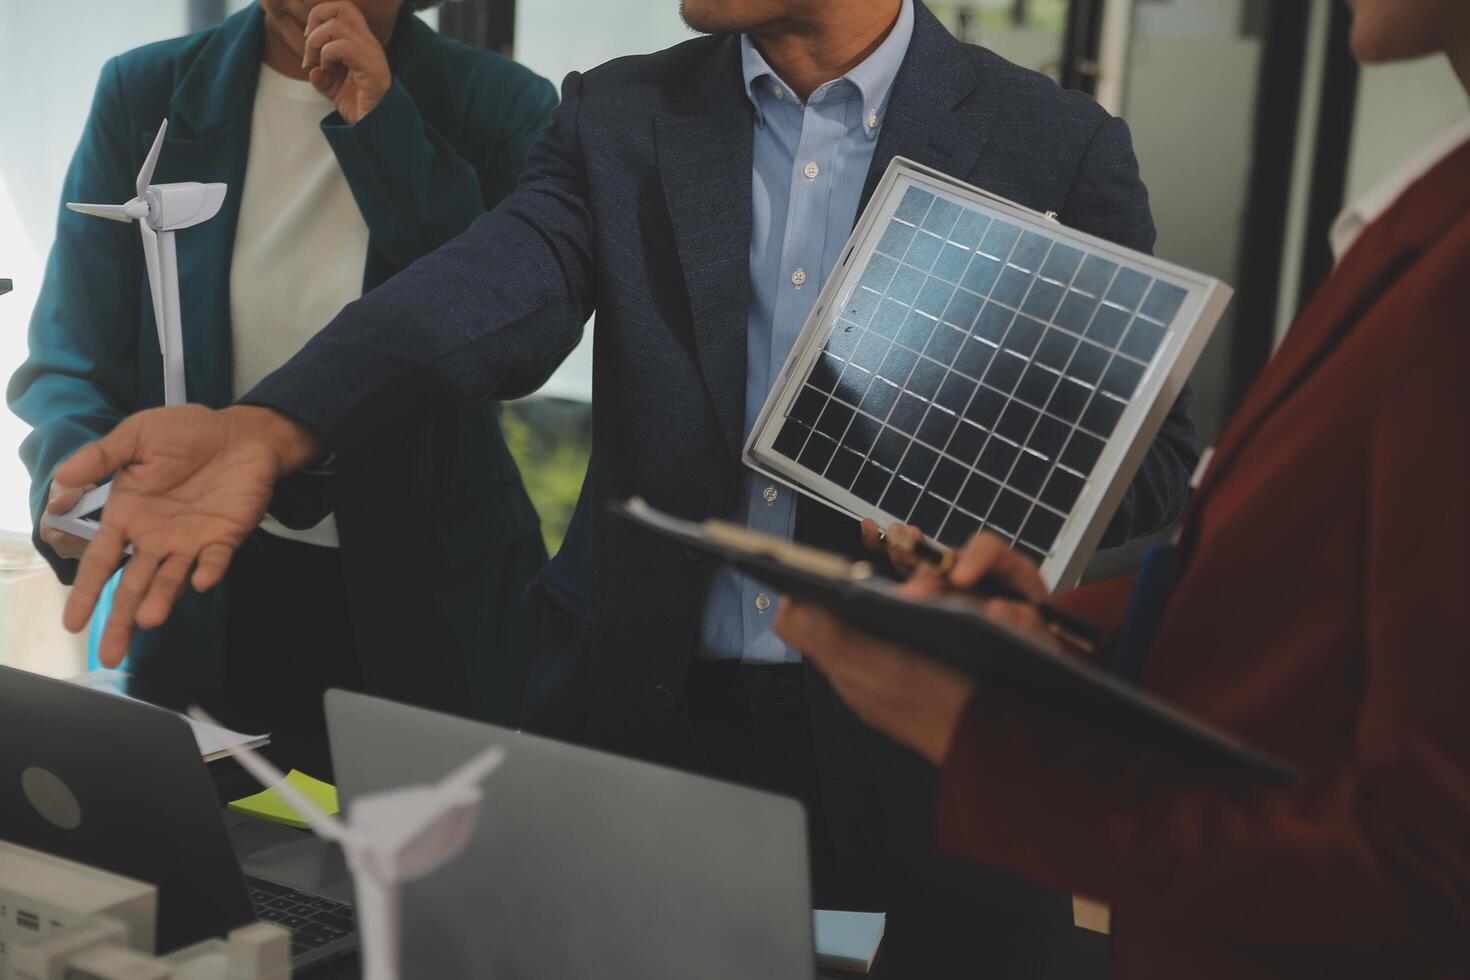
x,y
268,805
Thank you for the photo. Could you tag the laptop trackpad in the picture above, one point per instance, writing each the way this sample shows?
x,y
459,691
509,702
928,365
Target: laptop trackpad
x,y
292,858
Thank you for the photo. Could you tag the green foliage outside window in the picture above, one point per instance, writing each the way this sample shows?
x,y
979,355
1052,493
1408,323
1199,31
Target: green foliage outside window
x,y
551,439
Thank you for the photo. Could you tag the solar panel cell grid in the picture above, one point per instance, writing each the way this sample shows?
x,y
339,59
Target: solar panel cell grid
x,y
974,372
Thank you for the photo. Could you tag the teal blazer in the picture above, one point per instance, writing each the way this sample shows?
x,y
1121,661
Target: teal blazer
x,y
439,540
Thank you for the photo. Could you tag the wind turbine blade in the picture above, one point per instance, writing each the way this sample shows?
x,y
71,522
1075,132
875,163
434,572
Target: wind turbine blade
x,y
473,772
272,778
116,212
145,176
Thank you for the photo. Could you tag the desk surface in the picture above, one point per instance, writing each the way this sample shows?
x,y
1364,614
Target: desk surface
x,y
302,744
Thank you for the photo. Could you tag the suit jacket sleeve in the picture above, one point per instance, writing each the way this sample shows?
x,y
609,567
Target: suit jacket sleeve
x,y
414,190
1108,199
490,314
79,377
1365,853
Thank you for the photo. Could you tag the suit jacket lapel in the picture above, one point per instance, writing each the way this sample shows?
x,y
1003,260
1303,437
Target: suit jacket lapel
x,y
1370,268
921,121
703,144
416,58
209,140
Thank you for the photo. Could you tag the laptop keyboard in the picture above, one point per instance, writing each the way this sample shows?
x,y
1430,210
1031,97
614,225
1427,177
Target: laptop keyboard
x,y
314,921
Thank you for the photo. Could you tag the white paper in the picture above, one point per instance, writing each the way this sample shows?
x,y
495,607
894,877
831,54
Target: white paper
x,y
215,741
848,940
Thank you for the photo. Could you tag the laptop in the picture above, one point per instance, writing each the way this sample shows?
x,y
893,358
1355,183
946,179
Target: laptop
x,y
585,864
138,801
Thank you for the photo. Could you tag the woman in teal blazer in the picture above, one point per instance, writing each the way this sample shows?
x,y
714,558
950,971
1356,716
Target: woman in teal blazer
x,y
421,601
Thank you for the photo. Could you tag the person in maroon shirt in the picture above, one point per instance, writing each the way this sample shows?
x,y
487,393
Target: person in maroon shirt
x,y
1315,608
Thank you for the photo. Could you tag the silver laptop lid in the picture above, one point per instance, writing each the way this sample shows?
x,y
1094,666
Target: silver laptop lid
x,y
586,864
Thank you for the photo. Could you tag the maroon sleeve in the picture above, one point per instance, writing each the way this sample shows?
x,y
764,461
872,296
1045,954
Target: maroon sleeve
x,y
1371,853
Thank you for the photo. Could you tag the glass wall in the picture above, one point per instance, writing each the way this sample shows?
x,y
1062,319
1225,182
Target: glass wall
x,y
46,85
1028,32
1190,101
47,73
1400,108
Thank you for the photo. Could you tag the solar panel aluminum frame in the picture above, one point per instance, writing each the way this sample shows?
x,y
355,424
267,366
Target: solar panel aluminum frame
x,y
1123,452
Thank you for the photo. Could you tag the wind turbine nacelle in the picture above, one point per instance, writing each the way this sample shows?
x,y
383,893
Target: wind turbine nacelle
x,y
175,206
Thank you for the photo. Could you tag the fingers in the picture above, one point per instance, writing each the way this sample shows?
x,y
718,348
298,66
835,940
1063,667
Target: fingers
x,y
332,10
838,649
66,545
168,584
61,498
327,81
135,583
903,541
899,541
329,22
210,569
988,554
1020,616
98,460
343,51
926,581
98,563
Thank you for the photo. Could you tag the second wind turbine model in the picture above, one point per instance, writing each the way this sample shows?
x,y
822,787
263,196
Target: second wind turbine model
x,y
160,210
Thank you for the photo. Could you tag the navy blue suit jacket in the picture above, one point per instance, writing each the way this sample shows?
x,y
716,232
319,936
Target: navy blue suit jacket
x,y
637,204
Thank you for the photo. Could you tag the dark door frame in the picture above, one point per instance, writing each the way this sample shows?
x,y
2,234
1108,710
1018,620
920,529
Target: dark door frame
x,y
488,24
1285,32
1080,45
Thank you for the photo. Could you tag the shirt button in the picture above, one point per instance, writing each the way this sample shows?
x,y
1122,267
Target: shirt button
x,y
810,171
769,495
762,603
798,277
778,91
872,118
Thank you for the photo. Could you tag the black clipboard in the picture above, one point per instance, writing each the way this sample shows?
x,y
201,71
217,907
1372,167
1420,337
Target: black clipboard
x,y
956,633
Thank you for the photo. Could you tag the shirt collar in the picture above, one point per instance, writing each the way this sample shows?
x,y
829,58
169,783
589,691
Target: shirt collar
x,y
1356,217
873,78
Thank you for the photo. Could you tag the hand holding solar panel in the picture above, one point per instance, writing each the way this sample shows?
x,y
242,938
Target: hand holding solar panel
x,y
971,364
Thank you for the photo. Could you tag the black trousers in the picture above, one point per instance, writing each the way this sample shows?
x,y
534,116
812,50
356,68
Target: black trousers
x,y
287,628
752,724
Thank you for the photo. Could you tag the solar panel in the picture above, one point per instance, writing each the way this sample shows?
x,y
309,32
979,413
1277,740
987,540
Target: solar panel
x,y
973,364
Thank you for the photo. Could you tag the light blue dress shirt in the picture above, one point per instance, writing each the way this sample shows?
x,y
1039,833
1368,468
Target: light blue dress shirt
x,y
810,163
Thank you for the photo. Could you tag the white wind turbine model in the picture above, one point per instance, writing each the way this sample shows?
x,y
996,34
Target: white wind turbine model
x,y
391,837
160,210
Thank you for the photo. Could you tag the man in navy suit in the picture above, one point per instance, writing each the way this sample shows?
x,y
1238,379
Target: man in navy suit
x,y
696,199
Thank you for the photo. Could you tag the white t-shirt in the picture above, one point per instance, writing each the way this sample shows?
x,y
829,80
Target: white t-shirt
x,y
300,246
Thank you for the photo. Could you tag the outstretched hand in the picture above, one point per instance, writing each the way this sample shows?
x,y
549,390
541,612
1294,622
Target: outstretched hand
x,y
898,691
188,485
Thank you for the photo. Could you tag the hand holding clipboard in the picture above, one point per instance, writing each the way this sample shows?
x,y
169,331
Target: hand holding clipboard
x,y
957,633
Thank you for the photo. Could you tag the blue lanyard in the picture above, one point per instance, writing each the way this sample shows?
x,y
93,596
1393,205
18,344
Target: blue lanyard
x,y
1145,612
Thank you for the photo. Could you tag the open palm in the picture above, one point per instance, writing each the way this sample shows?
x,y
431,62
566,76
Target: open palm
x,y
189,484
